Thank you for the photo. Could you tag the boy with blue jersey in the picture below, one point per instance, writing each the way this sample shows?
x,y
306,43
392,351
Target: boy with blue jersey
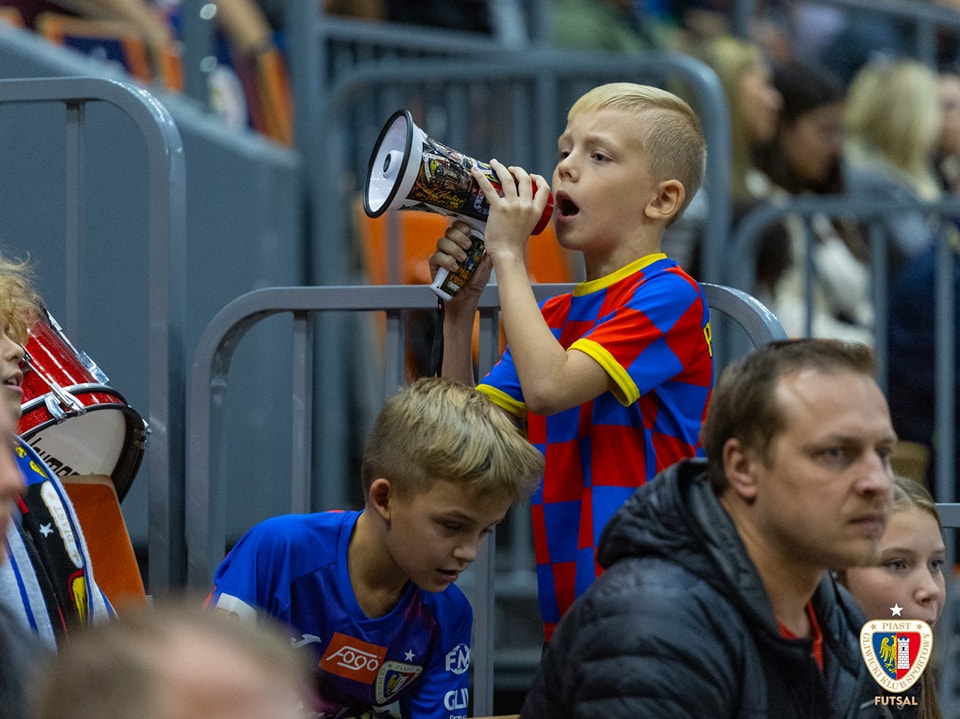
x,y
611,380
371,593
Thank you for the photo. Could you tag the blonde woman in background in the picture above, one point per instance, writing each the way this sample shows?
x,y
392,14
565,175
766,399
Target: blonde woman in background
x,y
892,125
755,104
948,145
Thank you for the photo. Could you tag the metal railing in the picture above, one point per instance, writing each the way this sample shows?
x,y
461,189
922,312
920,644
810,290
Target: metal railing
x,y
740,271
924,19
208,384
165,248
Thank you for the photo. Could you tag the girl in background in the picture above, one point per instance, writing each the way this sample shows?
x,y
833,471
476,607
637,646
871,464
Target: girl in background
x,y
910,576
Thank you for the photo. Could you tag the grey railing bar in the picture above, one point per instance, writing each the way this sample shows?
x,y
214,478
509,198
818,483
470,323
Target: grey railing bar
x,y
208,381
740,272
544,67
166,270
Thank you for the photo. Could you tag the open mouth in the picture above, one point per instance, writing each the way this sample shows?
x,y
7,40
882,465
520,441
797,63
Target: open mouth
x,y
566,206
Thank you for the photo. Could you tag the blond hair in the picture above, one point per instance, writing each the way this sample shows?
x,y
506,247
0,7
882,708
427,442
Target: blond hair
x,y
893,111
439,429
731,59
20,305
672,139
117,669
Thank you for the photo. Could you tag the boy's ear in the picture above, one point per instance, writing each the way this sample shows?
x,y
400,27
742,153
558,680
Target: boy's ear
x,y
738,467
667,202
380,496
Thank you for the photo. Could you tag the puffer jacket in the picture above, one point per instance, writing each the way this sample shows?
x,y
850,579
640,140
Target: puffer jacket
x,y
679,625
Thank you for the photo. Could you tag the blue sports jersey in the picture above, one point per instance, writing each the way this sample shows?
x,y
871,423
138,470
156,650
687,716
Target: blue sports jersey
x,y
411,663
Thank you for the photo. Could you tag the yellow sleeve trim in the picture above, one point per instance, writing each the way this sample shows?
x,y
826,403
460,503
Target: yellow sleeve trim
x,y
504,401
625,389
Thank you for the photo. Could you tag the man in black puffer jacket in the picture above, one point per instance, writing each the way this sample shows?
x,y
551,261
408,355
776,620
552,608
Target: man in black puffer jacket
x,y
716,600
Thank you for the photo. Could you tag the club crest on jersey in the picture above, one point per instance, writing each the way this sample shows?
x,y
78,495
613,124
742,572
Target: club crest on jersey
x,y
393,677
896,652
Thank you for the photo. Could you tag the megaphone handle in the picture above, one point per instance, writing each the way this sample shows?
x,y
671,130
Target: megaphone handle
x,y
446,284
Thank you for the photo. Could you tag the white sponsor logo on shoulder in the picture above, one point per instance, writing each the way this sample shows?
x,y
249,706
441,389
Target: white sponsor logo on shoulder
x,y
458,659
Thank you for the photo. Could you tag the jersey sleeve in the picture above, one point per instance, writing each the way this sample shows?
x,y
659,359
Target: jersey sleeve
x,y
250,578
443,690
502,385
652,338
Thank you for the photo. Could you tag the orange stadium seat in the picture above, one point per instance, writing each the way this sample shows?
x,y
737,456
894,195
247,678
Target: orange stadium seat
x,y
418,233
266,88
113,40
111,551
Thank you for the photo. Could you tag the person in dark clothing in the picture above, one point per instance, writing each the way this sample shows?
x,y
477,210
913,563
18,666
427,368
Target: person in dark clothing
x,y
21,651
911,377
716,599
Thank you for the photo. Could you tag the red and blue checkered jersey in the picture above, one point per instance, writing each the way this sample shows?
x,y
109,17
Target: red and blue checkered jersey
x,y
411,663
648,326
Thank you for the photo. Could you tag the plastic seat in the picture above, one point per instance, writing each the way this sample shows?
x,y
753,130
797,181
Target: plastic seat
x,y
108,39
416,238
266,86
417,234
111,550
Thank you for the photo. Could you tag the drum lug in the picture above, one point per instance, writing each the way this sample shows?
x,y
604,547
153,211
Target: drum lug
x,y
92,368
61,403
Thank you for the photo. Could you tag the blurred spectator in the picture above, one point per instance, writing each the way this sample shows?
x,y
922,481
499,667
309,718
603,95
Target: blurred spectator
x,y
21,650
804,158
175,662
948,146
247,88
150,24
863,37
614,25
892,123
469,15
746,78
701,21
755,104
911,378
46,575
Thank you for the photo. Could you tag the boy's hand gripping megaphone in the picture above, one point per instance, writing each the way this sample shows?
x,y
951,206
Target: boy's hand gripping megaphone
x,y
410,171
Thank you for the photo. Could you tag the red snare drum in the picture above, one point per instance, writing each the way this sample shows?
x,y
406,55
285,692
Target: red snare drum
x,y
76,423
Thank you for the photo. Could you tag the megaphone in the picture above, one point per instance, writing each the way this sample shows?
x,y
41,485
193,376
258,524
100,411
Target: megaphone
x,y
409,170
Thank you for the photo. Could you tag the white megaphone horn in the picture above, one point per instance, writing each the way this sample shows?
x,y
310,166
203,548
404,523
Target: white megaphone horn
x,y
410,171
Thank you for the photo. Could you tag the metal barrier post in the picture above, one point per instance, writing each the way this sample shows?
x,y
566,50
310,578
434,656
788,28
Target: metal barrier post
x,y
166,262
206,486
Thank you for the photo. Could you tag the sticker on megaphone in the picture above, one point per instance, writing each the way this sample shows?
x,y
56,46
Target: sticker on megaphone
x,y
409,170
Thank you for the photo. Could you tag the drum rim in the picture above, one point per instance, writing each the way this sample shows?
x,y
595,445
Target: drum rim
x,y
131,454
86,387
